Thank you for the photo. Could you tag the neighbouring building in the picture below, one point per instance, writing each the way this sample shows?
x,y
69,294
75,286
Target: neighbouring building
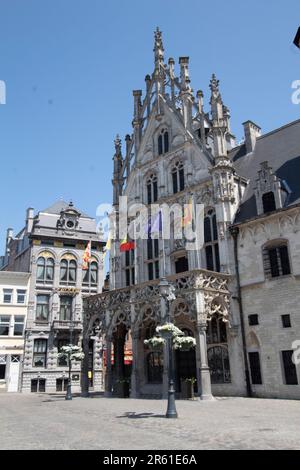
x,y
14,292
239,294
51,247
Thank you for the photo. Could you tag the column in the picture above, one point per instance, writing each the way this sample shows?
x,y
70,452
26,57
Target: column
x,y
203,373
135,392
85,366
108,370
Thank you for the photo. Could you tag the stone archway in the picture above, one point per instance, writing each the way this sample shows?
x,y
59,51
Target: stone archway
x,y
185,361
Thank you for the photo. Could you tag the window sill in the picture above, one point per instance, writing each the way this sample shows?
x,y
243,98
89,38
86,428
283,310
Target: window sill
x,y
277,278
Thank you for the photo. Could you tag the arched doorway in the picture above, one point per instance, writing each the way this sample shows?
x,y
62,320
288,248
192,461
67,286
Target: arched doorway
x,y
121,358
185,364
217,352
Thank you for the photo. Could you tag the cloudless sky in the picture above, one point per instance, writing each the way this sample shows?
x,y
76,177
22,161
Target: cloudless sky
x,y
70,67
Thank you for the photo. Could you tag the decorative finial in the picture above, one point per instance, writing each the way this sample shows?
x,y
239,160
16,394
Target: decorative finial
x,y
214,85
71,203
158,47
117,143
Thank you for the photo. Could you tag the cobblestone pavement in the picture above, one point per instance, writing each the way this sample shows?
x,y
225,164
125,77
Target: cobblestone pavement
x,y
49,422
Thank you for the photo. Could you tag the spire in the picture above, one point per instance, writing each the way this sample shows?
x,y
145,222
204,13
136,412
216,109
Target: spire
x,y
214,86
118,167
216,102
117,143
159,71
158,48
184,73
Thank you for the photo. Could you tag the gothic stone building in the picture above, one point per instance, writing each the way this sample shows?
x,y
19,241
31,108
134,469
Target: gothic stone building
x,y
239,295
51,247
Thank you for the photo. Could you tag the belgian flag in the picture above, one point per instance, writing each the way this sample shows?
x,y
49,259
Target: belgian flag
x,y
127,245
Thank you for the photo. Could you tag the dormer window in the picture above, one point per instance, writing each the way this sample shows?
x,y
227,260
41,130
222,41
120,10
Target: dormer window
x,y
152,193
268,202
163,142
69,219
269,191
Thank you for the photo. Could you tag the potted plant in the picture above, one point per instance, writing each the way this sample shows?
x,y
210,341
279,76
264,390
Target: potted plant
x,y
187,388
184,343
156,343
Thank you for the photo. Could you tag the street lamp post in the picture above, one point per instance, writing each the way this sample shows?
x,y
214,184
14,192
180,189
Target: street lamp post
x,y
69,386
167,294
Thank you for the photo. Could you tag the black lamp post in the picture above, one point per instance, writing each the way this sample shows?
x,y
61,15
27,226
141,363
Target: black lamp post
x,y
69,386
167,294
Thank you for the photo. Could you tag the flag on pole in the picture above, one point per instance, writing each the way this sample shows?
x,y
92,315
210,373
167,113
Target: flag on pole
x,y
188,214
87,256
126,245
107,246
154,226
108,243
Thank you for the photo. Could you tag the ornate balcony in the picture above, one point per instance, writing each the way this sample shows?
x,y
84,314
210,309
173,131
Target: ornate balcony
x,y
127,304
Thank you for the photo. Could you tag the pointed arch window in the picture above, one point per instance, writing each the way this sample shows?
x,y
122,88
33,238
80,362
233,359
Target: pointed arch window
x,y
153,258
68,271
130,267
211,245
45,269
152,192
90,277
163,142
178,177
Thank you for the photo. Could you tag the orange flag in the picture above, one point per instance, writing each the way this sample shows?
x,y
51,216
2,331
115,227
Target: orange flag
x,y
87,256
188,214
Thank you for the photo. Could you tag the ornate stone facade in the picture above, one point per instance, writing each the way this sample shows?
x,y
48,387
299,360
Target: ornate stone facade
x,y
250,194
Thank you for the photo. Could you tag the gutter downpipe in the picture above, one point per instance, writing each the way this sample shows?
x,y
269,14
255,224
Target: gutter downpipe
x,y
234,231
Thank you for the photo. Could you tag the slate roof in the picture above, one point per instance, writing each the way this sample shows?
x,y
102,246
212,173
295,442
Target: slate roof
x,y
59,206
281,149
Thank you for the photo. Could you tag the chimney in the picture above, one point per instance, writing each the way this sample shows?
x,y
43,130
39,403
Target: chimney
x,y
252,132
9,237
29,219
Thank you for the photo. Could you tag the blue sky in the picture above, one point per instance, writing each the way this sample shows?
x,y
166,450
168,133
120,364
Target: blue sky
x,y
70,67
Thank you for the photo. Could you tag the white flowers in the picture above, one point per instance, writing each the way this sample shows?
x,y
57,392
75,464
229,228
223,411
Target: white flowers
x,y
184,342
155,342
169,328
73,352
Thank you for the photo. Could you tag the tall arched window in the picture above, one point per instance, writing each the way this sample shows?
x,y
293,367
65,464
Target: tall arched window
x,y
90,277
153,258
211,245
178,177
130,267
45,269
163,142
218,357
152,193
68,270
